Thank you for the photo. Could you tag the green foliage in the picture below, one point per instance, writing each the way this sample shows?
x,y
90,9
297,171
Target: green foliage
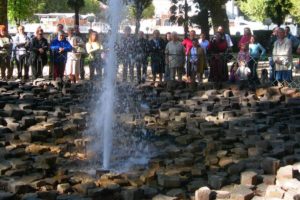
x,y
277,10
146,14
295,11
254,9
20,10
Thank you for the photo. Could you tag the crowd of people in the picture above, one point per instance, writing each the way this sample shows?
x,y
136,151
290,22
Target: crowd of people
x,y
170,58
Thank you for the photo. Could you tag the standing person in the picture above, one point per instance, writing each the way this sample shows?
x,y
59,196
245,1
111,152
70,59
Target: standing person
x,y
217,53
246,37
5,48
295,41
225,37
126,52
142,49
52,37
282,56
38,54
157,48
272,40
21,44
60,47
257,51
203,42
197,61
167,69
175,57
94,50
188,44
73,57
82,38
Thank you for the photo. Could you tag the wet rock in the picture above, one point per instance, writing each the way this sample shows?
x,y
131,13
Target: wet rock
x,y
64,188
274,191
163,197
286,172
132,193
203,193
249,178
241,193
216,181
270,165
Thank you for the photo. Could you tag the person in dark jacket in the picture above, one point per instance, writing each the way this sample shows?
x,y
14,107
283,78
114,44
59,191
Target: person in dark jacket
x,y
142,49
157,49
38,54
60,47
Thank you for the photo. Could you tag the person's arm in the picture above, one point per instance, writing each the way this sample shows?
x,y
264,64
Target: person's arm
x,y
263,50
54,46
67,47
167,54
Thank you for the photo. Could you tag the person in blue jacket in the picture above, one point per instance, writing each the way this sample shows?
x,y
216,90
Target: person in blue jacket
x,y
60,47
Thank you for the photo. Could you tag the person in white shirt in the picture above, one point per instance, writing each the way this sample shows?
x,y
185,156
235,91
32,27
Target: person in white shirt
x,y
94,50
21,43
74,56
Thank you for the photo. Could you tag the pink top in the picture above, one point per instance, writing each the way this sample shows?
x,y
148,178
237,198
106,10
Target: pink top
x,y
244,40
188,44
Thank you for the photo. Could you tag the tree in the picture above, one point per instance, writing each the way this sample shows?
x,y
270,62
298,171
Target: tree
x,y
201,19
76,5
180,14
259,10
138,10
277,10
254,9
3,12
20,10
295,10
217,10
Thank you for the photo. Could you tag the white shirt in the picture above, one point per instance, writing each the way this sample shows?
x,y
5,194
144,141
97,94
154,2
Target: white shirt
x,y
228,40
243,72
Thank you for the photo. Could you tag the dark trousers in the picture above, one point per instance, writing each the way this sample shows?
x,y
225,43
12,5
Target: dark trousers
x,y
82,71
5,66
127,63
141,68
95,65
37,69
253,68
22,63
59,69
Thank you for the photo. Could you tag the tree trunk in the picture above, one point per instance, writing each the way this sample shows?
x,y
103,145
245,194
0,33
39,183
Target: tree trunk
x,y
186,19
3,13
219,17
137,25
203,22
76,21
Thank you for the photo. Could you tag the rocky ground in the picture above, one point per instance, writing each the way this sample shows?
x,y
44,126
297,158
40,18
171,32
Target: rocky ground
x,y
212,144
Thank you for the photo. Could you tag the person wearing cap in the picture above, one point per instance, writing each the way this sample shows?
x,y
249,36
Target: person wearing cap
x,y
74,56
60,47
21,45
51,38
5,48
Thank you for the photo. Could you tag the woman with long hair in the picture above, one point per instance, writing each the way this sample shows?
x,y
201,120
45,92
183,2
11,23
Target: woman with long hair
x,y
94,50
